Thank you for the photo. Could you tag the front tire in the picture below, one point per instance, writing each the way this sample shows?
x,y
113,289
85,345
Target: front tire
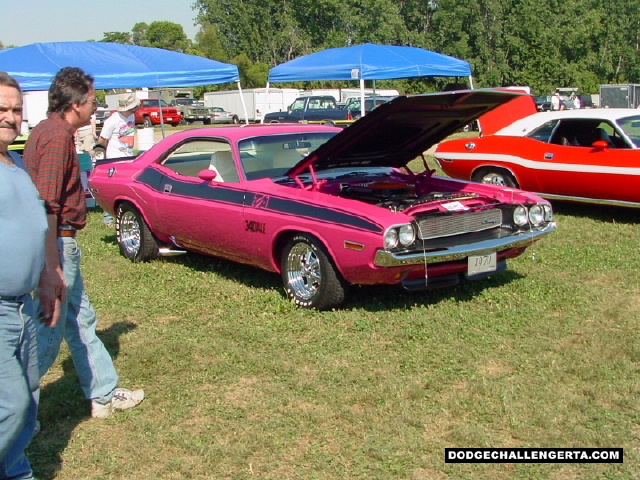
x,y
147,122
495,176
135,240
310,278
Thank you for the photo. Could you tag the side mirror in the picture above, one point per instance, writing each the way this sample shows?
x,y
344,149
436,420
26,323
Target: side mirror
x,y
208,175
600,144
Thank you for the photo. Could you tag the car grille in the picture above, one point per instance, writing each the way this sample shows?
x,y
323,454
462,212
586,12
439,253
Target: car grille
x,y
435,226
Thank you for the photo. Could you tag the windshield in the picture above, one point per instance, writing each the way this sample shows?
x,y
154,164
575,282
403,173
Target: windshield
x,y
272,155
631,127
154,103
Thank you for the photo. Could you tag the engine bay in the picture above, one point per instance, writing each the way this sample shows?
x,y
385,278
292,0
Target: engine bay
x,y
395,195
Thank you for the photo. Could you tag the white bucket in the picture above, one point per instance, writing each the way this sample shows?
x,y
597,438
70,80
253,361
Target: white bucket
x,y
144,139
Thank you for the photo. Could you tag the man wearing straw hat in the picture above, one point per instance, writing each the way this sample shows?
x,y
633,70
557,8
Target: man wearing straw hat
x,y
118,133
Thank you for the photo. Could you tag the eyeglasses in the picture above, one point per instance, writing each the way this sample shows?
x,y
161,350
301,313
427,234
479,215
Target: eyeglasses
x,y
94,102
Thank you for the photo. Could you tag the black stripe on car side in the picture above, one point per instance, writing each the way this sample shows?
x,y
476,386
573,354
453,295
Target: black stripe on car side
x,y
156,180
300,209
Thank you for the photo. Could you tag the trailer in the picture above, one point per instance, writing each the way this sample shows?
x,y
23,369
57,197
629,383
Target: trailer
x,y
35,105
258,101
625,95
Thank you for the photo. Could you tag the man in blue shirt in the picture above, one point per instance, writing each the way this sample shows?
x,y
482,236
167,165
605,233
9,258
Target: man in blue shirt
x,y
23,225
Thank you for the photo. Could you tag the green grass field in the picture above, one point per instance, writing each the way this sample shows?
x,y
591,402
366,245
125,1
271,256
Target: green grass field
x,y
241,384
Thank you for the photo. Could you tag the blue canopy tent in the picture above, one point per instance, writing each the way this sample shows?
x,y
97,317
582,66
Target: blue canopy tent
x,y
114,65
370,61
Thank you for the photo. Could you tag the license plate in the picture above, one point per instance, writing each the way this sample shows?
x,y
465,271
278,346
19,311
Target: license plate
x,y
481,264
169,119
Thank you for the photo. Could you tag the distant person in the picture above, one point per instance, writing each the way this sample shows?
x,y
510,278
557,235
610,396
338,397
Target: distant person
x,y
555,101
51,159
118,133
576,103
23,228
86,137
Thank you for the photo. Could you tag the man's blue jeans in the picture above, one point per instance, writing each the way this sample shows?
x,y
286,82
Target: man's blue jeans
x,y
19,385
77,325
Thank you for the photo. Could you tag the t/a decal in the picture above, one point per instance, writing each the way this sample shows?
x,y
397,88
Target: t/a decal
x,y
260,201
255,227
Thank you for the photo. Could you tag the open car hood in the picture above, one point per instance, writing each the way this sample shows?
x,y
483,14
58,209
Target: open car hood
x,y
400,130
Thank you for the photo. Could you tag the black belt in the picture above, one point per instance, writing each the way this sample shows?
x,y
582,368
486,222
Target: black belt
x,y
11,298
66,233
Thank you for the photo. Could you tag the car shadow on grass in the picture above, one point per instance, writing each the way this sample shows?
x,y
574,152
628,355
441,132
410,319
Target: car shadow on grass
x,y
375,298
601,213
366,297
63,406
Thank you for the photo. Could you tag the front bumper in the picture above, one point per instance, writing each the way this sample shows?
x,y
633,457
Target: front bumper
x,y
385,258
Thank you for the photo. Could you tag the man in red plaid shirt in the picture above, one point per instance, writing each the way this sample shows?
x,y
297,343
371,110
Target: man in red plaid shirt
x,y
53,164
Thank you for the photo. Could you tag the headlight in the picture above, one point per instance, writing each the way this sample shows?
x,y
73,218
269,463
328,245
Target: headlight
x,y
548,212
536,215
403,235
406,235
391,238
520,216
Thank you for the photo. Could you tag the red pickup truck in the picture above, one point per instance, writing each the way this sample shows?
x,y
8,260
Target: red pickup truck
x,y
149,113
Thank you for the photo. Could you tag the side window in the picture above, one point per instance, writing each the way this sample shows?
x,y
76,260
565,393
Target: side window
x,y
544,132
190,158
297,105
584,132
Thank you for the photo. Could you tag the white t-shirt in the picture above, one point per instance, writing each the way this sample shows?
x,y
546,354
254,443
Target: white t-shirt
x,y
120,132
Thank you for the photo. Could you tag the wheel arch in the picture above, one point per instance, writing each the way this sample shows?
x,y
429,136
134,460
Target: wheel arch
x,y
134,204
282,237
488,167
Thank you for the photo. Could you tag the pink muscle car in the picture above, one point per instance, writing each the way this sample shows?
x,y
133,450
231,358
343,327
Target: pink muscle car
x,y
322,206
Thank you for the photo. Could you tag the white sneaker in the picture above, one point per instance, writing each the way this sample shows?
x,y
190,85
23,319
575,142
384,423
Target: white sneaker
x,y
122,399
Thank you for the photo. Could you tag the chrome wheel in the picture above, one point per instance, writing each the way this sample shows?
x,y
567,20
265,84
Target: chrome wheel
x,y
304,275
129,234
136,241
496,176
310,278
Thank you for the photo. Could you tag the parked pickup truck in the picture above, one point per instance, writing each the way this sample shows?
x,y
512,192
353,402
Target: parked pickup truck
x,y
191,110
312,109
149,113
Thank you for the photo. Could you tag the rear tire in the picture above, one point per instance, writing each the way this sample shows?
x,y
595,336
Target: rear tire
x,y
135,240
309,276
98,153
495,176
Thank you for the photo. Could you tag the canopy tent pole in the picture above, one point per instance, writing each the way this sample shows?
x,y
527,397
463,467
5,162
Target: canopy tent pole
x,y
361,97
244,106
268,103
471,82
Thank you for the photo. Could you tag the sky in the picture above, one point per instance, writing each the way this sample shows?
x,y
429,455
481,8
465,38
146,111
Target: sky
x,y
41,21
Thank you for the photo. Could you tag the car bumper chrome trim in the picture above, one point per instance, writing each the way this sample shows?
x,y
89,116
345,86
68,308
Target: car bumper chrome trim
x,y
385,258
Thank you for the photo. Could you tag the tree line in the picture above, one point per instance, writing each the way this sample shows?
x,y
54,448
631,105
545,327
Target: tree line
x,y
543,44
